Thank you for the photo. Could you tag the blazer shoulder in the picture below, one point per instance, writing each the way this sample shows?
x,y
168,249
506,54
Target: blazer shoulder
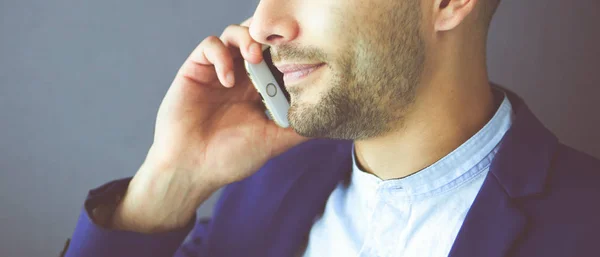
x,y
573,180
567,210
574,165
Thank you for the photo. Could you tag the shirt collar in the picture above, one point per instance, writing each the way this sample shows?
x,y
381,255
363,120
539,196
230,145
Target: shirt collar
x,y
468,160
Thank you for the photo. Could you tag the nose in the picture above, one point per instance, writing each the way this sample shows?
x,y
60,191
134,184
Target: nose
x,y
273,23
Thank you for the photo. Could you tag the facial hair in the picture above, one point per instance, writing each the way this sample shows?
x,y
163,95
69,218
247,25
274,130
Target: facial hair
x,y
373,79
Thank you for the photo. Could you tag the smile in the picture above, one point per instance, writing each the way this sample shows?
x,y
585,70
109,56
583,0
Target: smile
x,y
295,73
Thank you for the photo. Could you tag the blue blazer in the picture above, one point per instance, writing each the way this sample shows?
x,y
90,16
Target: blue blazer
x,y
540,198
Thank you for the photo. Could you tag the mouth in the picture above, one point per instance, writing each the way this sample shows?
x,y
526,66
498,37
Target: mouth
x,y
293,73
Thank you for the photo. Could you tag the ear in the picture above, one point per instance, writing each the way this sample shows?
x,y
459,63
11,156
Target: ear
x,y
448,14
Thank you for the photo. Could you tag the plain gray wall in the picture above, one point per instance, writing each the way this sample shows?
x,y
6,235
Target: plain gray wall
x,y
80,83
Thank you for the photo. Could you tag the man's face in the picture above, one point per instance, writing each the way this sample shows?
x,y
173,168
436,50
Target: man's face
x,y
374,57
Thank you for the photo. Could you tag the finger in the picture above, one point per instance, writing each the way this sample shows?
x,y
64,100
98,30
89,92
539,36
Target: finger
x,y
198,73
247,22
212,51
235,36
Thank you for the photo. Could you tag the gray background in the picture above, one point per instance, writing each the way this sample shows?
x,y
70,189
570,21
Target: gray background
x,y
80,83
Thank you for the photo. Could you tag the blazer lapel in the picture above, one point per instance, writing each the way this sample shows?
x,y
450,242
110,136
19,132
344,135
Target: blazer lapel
x,y
305,200
269,213
491,226
495,222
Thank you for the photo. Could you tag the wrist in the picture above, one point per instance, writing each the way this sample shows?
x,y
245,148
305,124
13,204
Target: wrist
x,y
160,199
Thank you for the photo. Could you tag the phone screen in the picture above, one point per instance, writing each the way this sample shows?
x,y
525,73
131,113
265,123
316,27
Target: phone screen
x,y
276,73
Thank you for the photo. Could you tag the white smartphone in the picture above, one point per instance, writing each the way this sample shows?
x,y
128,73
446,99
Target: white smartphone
x,y
268,81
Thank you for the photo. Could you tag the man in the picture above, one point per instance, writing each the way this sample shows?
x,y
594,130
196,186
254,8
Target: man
x,y
398,146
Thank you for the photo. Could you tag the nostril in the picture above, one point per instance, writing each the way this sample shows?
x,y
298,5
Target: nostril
x,y
444,4
273,37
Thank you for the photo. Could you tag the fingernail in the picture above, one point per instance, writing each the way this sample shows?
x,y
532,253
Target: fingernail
x,y
230,78
255,49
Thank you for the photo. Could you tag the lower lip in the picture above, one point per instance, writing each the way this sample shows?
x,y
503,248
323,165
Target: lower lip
x,y
296,76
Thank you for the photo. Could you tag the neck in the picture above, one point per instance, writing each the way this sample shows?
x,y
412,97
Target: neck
x,y
450,107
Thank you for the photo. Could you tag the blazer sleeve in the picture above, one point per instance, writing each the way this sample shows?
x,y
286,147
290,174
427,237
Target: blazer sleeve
x,y
92,240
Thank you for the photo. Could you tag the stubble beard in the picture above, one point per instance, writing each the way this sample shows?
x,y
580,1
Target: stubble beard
x,y
372,85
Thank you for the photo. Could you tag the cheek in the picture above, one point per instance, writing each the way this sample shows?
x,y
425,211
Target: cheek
x,y
312,15
335,27
323,24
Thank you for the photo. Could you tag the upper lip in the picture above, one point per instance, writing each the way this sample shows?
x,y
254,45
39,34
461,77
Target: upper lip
x,y
287,68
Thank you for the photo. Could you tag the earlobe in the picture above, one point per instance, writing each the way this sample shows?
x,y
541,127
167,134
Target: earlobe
x,y
450,13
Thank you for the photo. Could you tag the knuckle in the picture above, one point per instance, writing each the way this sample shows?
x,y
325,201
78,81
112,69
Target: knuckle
x,y
233,34
231,28
222,60
227,33
215,47
222,54
212,40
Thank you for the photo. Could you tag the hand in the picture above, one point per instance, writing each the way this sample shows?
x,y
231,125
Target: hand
x,y
211,130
